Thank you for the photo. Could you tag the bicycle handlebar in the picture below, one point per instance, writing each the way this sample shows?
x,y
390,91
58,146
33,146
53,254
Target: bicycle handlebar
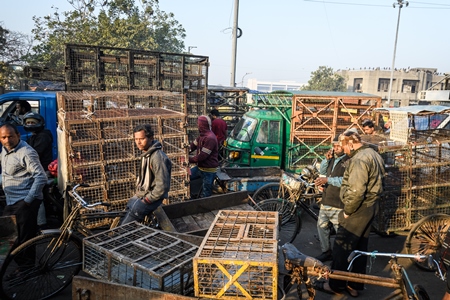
x,y
392,255
357,253
80,199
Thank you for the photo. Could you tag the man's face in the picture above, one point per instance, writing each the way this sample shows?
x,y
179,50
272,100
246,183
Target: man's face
x,y
368,130
142,141
346,149
338,150
9,138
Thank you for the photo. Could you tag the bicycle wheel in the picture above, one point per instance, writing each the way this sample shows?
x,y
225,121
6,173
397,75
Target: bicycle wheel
x,y
271,190
426,237
32,271
421,293
290,223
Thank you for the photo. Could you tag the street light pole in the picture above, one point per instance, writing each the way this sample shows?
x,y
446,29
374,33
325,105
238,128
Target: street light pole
x,y
234,45
400,5
242,82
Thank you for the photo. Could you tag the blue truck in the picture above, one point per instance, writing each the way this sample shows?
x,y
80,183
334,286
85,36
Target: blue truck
x,y
43,103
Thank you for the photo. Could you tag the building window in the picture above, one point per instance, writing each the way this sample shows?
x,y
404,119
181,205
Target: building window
x,y
383,85
357,84
410,86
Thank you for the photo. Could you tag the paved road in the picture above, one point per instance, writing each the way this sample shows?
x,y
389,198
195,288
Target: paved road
x,y
308,244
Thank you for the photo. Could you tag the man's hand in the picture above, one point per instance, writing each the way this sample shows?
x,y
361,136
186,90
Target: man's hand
x,y
329,154
320,181
345,216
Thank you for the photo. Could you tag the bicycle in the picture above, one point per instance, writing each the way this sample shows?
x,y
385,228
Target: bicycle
x,y
302,267
296,193
45,265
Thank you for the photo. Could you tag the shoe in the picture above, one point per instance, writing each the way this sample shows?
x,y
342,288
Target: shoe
x,y
351,291
325,256
323,286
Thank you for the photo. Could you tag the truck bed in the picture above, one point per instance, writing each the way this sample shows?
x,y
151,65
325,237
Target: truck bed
x,y
196,216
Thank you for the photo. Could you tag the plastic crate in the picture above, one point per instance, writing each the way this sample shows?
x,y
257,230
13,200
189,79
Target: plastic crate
x,y
238,258
137,255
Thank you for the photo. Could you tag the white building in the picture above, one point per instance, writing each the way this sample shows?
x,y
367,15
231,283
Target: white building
x,y
406,84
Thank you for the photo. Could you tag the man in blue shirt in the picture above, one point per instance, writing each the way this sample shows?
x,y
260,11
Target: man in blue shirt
x,y
332,167
23,179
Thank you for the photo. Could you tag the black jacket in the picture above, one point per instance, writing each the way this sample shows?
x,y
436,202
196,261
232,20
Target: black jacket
x,y
331,193
42,142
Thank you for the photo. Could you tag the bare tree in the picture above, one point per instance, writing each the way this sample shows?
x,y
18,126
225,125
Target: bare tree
x,y
15,48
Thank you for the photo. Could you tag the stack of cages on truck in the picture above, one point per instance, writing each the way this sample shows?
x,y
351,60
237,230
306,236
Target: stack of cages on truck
x,y
289,130
96,143
416,153
115,69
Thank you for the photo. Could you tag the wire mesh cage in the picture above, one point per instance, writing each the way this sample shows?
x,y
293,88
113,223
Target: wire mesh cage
x,y
109,68
136,255
99,142
317,117
417,182
241,245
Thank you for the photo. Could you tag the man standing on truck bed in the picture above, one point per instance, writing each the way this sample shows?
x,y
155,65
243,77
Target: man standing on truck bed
x,y
206,156
153,180
333,167
23,179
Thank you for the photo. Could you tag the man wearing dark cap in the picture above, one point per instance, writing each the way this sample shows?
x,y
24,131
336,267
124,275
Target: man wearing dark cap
x,y
206,156
333,167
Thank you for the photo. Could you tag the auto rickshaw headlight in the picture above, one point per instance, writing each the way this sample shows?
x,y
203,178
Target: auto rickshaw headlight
x,y
234,155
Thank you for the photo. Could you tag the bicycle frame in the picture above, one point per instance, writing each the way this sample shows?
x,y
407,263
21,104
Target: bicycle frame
x,y
302,267
300,192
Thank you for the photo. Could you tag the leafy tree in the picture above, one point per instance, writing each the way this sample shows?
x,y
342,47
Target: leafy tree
x,y
113,23
324,79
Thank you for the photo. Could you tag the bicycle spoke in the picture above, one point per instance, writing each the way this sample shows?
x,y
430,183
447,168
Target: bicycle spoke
x,y
427,237
33,271
290,222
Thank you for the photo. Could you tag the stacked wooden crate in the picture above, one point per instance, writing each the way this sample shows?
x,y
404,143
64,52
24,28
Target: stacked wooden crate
x,y
317,117
97,145
136,255
417,182
238,258
116,69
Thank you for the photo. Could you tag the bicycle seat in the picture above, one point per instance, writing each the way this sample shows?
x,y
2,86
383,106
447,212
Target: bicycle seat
x,y
294,256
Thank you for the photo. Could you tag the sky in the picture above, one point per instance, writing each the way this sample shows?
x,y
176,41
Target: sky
x,y
286,40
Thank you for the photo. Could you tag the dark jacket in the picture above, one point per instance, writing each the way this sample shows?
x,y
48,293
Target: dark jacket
x,y
207,154
331,193
42,142
154,177
363,180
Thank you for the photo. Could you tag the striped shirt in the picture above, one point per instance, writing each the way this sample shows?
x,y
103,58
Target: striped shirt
x,y
23,176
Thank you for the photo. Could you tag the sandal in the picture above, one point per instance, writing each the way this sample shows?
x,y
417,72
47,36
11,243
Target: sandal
x,y
351,291
322,285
